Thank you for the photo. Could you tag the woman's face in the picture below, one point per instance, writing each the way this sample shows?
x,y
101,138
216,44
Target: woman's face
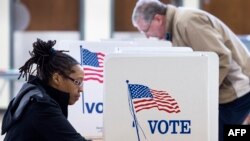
x,y
72,84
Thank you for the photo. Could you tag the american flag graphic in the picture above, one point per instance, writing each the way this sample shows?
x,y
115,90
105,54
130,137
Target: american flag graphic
x,y
92,63
145,98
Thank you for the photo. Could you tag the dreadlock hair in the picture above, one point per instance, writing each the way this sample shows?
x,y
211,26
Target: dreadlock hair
x,y
48,61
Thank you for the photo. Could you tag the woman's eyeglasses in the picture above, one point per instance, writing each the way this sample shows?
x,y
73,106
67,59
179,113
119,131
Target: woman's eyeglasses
x,y
76,82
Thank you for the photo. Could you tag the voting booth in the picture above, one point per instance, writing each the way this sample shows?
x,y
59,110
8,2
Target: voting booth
x,y
170,96
87,114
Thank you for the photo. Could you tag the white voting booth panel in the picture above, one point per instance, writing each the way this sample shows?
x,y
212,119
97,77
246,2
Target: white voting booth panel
x,y
145,42
151,50
87,114
161,97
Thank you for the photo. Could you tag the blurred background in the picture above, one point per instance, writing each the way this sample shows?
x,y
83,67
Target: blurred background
x,y
23,21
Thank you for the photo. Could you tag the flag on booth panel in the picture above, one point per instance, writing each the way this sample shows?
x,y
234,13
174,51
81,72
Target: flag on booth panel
x,y
92,63
145,98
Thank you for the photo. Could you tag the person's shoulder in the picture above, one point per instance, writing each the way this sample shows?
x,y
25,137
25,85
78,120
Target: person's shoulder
x,y
40,102
40,96
187,16
31,93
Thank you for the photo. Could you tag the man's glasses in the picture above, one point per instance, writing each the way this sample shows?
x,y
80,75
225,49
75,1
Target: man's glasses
x,y
76,82
147,29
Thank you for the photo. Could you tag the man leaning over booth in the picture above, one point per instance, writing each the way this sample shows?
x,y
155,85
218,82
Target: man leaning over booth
x,y
203,32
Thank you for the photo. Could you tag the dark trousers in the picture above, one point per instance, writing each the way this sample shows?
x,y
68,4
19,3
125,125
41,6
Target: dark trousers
x,y
234,112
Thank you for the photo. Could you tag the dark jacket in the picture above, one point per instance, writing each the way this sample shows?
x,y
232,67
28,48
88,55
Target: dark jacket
x,y
38,113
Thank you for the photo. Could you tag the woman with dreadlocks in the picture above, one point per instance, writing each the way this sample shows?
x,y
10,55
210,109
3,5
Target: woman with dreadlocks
x,y
39,111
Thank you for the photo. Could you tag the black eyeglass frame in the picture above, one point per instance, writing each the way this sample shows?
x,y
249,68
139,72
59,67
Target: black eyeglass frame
x,y
76,82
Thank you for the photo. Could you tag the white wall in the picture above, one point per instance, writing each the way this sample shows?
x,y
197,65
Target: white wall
x,y
191,3
97,19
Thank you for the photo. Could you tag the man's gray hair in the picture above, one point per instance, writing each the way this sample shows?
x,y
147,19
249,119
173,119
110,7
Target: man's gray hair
x,y
146,10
